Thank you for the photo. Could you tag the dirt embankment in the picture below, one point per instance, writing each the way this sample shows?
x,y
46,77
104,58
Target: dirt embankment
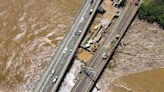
x,y
143,50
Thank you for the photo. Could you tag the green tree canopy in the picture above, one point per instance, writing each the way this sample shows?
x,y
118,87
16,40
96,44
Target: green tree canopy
x,y
152,11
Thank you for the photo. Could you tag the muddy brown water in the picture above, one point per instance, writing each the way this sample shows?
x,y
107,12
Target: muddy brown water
x,y
148,81
29,33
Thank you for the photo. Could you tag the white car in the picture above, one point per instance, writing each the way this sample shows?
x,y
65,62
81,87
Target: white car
x,y
90,12
52,73
55,79
65,50
105,55
70,50
73,34
79,33
81,20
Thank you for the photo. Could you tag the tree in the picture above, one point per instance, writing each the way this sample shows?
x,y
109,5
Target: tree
x,y
153,11
161,20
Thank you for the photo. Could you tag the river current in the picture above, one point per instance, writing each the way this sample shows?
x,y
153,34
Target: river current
x,y
29,33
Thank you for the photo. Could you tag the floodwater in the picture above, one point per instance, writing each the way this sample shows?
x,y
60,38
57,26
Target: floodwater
x,y
29,33
148,81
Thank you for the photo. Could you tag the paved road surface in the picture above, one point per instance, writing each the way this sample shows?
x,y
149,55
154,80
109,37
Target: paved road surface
x,y
60,62
86,81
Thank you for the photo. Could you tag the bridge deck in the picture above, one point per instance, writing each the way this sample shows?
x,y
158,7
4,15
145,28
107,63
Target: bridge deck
x,y
64,54
86,81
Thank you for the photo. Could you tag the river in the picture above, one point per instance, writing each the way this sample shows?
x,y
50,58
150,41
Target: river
x,y
147,81
29,33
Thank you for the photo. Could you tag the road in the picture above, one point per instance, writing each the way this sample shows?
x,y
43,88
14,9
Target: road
x,y
97,63
67,49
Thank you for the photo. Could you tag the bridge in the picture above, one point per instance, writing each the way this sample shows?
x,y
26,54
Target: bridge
x,y
87,80
52,77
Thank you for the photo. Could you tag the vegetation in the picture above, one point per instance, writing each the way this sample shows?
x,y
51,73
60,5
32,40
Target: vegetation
x,y
152,11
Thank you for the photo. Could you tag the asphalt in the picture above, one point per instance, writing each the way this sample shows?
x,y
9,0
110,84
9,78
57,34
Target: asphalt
x,y
62,59
86,83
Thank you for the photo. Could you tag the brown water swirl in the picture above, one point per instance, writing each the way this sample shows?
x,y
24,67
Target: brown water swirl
x,y
29,33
